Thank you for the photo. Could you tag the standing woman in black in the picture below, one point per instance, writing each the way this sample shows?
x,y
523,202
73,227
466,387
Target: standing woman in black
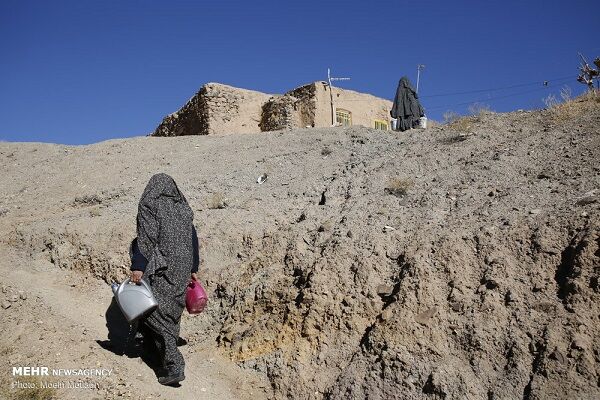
x,y
166,238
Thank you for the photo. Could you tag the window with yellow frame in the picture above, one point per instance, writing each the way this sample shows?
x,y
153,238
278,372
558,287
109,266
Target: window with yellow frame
x,y
343,117
383,125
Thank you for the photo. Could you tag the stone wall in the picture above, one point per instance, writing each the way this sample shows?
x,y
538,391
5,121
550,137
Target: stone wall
x,y
216,109
280,112
191,119
306,104
233,110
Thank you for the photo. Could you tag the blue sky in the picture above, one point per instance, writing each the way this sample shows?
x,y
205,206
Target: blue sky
x,y
78,72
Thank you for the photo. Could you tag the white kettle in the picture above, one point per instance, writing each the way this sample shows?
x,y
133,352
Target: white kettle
x,y
135,301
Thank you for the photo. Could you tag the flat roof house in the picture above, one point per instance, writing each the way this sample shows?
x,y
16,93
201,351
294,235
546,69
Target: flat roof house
x,y
222,109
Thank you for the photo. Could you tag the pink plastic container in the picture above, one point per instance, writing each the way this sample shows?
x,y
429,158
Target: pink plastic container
x,y
195,298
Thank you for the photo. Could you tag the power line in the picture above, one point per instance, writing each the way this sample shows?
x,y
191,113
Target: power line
x,y
493,98
545,83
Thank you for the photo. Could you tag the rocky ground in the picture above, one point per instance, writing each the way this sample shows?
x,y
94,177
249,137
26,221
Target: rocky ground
x,y
461,261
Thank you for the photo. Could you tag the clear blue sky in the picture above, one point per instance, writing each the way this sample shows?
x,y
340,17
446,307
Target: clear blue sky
x,y
84,71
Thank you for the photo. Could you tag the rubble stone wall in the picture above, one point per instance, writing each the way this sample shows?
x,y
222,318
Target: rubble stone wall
x,y
279,113
306,105
191,119
233,110
216,109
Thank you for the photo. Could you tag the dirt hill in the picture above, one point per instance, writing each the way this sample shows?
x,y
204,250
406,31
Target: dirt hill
x,y
461,261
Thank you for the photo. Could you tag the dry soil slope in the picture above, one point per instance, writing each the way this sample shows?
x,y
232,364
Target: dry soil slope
x,y
481,281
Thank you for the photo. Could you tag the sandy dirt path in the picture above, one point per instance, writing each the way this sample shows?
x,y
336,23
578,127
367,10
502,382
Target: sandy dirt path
x,y
57,318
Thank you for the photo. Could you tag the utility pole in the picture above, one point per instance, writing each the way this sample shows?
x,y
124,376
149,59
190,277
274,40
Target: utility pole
x,y
329,79
420,67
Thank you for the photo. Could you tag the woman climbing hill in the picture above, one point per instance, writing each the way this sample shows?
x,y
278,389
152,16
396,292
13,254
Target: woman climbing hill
x,y
166,238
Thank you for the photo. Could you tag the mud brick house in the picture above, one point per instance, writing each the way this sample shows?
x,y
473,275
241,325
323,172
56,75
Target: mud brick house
x,y
220,109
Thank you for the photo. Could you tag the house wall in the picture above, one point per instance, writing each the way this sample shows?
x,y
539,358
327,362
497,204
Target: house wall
x,y
306,104
280,112
365,108
233,110
191,119
216,109
219,109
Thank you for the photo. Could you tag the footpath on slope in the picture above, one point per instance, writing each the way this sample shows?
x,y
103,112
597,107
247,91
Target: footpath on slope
x,y
57,319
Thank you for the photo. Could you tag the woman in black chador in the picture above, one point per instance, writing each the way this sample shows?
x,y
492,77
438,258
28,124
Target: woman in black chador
x,y
406,108
167,239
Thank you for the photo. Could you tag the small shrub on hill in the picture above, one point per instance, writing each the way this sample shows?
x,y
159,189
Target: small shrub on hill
x,y
399,187
217,201
568,108
479,109
450,116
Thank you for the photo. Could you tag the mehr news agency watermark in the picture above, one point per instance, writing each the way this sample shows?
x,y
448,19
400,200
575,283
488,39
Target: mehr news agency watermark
x,y
58,378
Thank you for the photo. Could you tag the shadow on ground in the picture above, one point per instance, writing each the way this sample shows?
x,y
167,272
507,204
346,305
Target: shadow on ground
x,y
126,340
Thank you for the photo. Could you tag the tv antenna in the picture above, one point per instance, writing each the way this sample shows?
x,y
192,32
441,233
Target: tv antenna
x,y
329,79
420,67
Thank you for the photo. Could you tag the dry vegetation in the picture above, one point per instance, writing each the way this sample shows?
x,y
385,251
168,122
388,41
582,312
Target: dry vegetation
x,y
399,187
431,123
567,108
466,123
462,124
217,201
479,109
457,122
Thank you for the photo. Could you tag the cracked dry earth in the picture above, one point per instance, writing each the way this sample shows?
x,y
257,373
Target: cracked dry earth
x,y
428,264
